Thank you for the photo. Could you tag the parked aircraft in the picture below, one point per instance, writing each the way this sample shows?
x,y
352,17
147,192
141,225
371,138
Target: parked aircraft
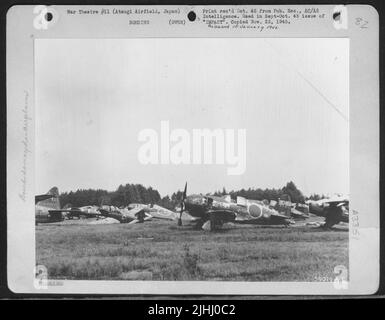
x,y
335,210
85,211
297,211
137,212
155,211
47,207
125,215
214,211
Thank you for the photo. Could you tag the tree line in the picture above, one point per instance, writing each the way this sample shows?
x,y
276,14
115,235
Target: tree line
x,y
137,193
122,196
288,192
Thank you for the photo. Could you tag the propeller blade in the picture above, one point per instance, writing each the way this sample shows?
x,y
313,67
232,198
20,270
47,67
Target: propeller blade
x,y
182,205
184,192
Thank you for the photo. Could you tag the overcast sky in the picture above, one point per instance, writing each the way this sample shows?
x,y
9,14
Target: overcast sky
x,y
94,96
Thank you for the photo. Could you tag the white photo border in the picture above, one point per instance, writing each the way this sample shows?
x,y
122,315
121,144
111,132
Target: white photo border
x,y
22,32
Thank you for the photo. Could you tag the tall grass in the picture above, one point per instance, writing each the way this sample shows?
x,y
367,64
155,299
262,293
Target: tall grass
x,y
158,251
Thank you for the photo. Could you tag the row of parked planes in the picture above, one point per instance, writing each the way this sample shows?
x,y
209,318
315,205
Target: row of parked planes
x,y
209,212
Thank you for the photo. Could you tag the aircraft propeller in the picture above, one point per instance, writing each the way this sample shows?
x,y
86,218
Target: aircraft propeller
x,y
182,205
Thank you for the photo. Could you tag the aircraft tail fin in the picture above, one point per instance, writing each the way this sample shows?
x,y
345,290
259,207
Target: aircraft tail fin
x,y
54,191
50,199
284,204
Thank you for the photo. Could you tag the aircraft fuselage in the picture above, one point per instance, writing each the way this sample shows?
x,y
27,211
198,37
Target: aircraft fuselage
x,y
252,211
43,214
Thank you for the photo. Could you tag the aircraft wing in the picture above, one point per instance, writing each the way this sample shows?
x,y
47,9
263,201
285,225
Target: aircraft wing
x,y
337,203
71,210
163,213
223,214
133,213
138,214
146,218
298,214
243,217
280,217
189,217
77,212
56,211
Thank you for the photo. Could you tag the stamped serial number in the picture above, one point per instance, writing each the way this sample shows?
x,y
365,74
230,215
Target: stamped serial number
x,y
213,309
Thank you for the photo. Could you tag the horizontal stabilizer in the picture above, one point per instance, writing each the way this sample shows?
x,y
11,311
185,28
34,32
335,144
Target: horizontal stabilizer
x,y
52,193
43,197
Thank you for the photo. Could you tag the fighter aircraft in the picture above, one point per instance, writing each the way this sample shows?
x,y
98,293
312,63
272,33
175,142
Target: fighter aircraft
x,y
297,211
137,213
155,211
214,211
124,215
47,207
335,210
85,211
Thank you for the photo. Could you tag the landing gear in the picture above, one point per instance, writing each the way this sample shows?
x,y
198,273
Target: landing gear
x,y
212,224
333,217
199,224
215,223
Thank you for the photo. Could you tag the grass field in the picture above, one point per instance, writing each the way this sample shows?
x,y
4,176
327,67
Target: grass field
x,y
159,250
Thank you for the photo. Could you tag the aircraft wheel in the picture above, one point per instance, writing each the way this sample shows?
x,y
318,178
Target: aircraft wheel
x,y
199,224
214,224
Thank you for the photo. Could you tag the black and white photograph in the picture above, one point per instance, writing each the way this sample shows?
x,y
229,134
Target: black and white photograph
x,y
192,159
